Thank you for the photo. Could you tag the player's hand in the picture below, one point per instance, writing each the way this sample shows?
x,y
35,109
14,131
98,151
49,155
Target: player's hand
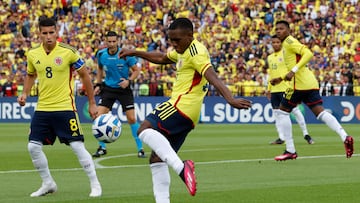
x,y
289,76
124,83
22,99
93,111
276,81
240,103
97,90
125,52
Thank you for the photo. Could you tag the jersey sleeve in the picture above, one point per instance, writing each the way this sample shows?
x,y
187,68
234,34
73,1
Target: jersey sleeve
x,y
131,61
172,55
202,62
30,67
77,61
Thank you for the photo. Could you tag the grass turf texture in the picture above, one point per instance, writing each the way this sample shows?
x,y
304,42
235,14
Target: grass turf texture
x,y
234,163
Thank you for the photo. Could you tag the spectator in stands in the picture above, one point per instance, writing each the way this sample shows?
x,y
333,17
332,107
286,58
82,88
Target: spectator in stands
x,y
346,88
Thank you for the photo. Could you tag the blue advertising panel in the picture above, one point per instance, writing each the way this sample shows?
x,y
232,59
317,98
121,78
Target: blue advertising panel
x,y
214,110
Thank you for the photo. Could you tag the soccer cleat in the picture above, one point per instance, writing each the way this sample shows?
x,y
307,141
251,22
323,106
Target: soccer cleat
x,y
349,146
188,176
277,141
285,156
95,190
309,139
99,152
141,154
45,189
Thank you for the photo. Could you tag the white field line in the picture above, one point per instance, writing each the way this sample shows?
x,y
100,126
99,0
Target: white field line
x,y
99,166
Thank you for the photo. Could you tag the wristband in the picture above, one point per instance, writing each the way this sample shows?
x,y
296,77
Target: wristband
x,y
97,84
294,69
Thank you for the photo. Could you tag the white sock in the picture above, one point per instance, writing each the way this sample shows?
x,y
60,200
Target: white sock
x,y
161,146
161,182
40,161
331,121
276,113
300,120
286,128
85,160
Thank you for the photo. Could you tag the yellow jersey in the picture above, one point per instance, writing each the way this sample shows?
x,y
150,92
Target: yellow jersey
x,y
190,86
55,75
277,68
297,54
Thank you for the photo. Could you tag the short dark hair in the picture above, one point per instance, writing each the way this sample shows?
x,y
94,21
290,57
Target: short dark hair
x,y
111,34
274,37
284,22
182,23
44,21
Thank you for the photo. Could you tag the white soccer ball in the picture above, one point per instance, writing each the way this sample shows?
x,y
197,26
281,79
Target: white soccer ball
x,y
106,128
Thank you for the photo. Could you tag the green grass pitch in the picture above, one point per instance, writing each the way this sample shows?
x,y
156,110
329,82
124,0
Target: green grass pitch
x,y
234,164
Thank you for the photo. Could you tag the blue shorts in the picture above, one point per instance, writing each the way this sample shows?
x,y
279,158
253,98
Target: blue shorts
x,y
109,95
46,126
294,97
171,123
275,99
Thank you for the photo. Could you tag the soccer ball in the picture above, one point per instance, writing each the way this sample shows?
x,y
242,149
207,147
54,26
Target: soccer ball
x,y
106,128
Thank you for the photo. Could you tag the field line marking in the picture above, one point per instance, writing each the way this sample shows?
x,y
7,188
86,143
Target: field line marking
x,y
147,165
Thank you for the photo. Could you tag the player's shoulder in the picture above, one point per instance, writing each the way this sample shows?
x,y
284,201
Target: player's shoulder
x,y
67,47
291,40
197,48
34,49
100,52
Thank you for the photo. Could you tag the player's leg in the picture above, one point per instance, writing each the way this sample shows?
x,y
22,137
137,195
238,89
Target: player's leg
x,y
275,100
127,102
130,115
39,134
175,128
301,121
87,164
332,123
161,181
105,104
70,133
288,102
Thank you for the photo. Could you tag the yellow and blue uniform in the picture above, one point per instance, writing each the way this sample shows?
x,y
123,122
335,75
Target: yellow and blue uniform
x,y
54,72
277,68
55,113
176,117
303,87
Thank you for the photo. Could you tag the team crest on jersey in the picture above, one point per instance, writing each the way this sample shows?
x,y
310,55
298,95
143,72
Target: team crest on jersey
x,y
280,59
58,61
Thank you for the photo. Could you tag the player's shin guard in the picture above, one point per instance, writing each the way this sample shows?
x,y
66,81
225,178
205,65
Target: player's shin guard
x,y
85,160
286,129
40,161
134,127
333,124
161,146
161,182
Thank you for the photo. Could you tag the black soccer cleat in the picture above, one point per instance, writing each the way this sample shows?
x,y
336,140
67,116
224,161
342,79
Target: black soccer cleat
x,y
99,152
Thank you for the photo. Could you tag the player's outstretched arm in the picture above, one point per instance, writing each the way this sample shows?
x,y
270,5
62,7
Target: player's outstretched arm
x,y
238,103
153,56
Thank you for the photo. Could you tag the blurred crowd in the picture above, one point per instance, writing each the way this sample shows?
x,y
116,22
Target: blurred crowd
x,y
237,34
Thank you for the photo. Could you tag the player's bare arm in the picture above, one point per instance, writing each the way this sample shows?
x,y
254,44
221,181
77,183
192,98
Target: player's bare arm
x,y
135,71
85,78
238,103
276,81
28,83
154,56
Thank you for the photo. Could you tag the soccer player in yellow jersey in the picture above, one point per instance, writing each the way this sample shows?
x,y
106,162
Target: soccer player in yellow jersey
x,y
303,88
276,69
53,63
166,128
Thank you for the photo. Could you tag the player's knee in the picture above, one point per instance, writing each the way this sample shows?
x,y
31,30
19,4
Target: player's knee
x,y
154,158
34,147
